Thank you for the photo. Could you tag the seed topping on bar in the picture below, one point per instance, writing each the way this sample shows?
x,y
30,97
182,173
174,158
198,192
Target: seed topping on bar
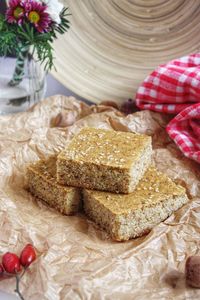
x,y
107,147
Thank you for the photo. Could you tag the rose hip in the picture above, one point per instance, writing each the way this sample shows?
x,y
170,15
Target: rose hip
x,y
11,262
192,271
128,107
27,256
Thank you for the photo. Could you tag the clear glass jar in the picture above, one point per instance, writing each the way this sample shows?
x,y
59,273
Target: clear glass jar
x,y
30,89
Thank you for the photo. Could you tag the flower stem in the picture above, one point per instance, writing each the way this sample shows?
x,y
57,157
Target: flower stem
x,y
17,287
19,68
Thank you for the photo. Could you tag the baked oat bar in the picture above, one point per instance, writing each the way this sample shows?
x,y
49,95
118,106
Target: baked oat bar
x,y
41,180
128,216
105,160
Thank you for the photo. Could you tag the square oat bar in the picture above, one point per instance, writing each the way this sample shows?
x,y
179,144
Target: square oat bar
x,y
128,216
104,160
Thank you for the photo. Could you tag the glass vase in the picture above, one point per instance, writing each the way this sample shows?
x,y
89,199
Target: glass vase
x,y
28,90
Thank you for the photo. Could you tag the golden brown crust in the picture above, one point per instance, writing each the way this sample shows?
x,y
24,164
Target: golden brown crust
x,y
104,160
128,216
152,188
106,147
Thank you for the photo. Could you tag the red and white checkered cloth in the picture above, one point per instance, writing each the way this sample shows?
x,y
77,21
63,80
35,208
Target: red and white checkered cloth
x,y
175,88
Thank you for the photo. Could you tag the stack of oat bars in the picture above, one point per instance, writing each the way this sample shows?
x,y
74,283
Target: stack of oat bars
x,y
108,174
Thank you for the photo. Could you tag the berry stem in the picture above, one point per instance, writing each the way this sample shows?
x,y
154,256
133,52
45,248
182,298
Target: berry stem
x,y
17,287
24,271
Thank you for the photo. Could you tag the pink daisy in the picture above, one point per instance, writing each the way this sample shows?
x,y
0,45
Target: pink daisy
x,y
37,15
15,12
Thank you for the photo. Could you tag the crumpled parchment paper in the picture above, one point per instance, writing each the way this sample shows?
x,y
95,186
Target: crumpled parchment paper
x,y
76,260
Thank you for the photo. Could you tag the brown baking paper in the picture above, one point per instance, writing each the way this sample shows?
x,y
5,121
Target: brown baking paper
x,y
76,260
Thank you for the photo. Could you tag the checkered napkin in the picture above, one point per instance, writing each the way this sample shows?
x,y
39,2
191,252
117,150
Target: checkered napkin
x,y
175,88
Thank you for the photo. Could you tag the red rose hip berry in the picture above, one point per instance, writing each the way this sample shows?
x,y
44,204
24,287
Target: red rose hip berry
x,y
192,271
27,256
11,263
129,107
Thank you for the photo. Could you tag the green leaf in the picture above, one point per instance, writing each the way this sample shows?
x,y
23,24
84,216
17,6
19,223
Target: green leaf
x,y
2,22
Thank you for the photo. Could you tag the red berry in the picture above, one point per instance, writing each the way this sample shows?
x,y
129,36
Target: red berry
x,y
27,256
129,107
192,271
11,262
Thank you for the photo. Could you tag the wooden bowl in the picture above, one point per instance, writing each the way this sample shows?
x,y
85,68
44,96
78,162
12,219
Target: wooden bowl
x,y
114,44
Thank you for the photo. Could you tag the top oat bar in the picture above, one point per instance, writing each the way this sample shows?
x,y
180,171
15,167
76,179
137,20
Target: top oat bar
x,y
105,160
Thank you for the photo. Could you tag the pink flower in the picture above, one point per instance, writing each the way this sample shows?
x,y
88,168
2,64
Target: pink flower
x,y
31,11
37,15
15,12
